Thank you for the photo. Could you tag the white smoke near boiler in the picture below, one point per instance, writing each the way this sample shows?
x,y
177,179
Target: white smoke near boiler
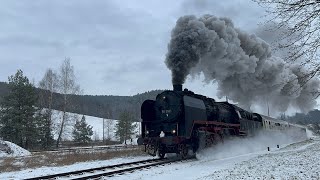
x,y
241,64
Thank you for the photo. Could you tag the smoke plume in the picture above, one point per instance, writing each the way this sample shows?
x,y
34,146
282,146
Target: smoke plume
x,y
242,64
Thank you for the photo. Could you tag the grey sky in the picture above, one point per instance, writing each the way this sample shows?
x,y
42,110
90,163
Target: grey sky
x,y
116,47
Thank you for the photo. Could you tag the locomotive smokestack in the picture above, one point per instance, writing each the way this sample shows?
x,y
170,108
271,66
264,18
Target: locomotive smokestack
x,y
177,87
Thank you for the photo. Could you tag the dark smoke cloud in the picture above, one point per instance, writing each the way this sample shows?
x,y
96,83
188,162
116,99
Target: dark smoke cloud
x,y
242,64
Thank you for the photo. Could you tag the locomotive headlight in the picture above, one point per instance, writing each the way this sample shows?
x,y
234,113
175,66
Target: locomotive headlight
x,y
147,132
173,131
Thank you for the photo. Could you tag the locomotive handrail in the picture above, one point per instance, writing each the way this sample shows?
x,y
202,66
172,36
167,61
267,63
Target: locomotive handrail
x,y
216,123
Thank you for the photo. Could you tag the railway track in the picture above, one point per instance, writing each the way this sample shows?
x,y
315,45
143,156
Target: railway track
x,y
111,170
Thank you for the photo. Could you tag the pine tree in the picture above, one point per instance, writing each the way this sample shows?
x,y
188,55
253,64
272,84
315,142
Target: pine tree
x,y
44,122
17,120
125,126
82,132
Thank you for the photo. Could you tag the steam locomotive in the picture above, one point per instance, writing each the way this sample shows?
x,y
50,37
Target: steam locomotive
x,y
180,120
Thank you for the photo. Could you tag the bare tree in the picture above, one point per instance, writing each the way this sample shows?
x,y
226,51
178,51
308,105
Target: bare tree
x,y
96,136
301,18
301,38
109,128
49,83
109,123
67,87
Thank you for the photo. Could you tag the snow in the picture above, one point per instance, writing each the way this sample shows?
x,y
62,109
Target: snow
x,y
217,162
132,141
29,173
292,163
97,127
234,159
95,122
8,149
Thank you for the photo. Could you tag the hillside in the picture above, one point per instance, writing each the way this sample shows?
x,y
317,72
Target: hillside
x,y
104,106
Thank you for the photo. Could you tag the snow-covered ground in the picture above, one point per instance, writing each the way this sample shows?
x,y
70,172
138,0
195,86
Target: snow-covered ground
x,y
8,149
300,161
95,122
29,173
234,159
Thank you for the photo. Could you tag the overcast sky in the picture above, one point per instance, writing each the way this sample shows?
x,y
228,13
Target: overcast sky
x,y
116,47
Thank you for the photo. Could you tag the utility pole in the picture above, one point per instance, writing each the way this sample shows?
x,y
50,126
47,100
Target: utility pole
x,y
103,130
268,108
139,128
125,136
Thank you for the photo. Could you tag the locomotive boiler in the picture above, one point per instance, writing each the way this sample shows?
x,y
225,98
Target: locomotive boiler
x,y
180,120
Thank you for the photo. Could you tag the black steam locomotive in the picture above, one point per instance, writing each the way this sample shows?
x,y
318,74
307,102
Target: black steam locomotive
x,y
180,120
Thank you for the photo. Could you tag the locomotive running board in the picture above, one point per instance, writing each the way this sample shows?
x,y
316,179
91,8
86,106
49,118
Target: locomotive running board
x,y
215,123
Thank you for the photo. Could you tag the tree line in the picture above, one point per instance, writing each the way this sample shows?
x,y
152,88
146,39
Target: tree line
x,y
26,113
310,119
104,106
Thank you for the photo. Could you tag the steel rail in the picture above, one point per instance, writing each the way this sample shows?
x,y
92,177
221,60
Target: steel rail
x,y
121,171
93,169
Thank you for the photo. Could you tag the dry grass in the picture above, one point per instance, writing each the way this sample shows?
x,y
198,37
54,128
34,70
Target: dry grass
x,y
60,159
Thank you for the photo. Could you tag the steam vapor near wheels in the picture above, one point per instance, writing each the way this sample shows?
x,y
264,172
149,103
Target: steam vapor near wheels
x,y
241,64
